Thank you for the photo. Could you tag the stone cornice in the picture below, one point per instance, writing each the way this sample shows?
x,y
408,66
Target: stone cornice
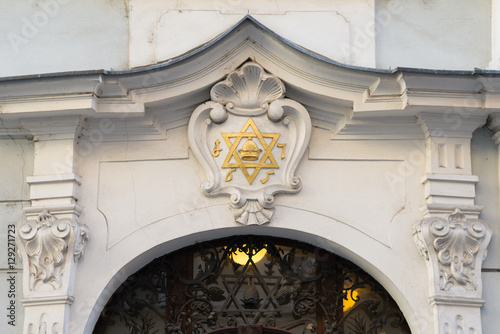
x,y
367,90
353,103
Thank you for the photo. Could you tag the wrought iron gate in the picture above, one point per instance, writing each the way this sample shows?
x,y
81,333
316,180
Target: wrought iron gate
x,y
251,280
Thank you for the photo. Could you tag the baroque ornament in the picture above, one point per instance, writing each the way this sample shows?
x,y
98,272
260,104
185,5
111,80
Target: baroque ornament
x,y
250,139
45,243
454,245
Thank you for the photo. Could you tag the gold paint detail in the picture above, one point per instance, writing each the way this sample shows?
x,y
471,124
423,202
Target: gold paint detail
x,y
282,146
267,176
216,150
229,175
250,151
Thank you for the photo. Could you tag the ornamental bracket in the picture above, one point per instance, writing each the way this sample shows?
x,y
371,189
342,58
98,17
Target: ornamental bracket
x,y
454,249
48,247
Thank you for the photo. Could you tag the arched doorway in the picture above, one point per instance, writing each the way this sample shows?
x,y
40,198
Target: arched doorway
x,y
251,284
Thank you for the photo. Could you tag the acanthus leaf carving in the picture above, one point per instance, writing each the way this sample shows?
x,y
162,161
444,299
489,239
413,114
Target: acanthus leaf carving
x,y
45,243
82,239
419,241
453,244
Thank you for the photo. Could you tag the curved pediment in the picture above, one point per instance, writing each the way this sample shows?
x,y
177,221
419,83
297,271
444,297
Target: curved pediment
x,y
316,80
168,92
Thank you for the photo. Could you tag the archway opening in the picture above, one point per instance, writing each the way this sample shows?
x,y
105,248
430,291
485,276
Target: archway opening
x,y
256,283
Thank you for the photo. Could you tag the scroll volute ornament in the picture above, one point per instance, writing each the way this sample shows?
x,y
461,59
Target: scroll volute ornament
x,y
250,139
454,248
48,247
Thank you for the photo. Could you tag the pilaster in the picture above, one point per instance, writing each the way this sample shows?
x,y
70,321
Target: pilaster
x,y
54,185
52,239
448,182
451,238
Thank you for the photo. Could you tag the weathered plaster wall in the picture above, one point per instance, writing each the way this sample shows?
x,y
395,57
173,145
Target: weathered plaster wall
x,y
45,36
495,28
163,30
16,162
485,165
444,34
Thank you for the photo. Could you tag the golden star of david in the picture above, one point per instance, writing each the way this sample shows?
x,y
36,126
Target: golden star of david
x,y
267,160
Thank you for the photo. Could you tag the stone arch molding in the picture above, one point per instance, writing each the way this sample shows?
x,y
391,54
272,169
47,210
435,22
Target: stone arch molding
x,y
249,140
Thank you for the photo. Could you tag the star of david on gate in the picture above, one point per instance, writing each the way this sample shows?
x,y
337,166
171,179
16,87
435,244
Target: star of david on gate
x,y
253,310
250,151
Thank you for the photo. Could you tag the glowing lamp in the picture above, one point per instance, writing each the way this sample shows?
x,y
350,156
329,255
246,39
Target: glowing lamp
x,y
349,303
241,258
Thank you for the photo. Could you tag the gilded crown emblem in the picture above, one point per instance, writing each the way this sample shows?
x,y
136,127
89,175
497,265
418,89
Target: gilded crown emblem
x,y
250,151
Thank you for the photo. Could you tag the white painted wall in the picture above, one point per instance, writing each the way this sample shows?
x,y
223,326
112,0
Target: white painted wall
x,y
438,34
163,30
485,165
46,36
495,34
16,162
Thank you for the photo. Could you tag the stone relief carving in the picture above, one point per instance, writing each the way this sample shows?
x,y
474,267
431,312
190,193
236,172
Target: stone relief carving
x,y
43,326
250,88
454,245
458,327
419,241
249,140
45,243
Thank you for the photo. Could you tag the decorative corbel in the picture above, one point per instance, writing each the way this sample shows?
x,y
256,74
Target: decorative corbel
x,y
454,249
48,247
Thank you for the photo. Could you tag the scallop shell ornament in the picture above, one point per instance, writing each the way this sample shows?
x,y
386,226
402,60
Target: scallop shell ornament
x,y
250,88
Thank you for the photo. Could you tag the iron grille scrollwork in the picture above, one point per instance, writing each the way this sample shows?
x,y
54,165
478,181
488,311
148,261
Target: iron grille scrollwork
x,y
294,287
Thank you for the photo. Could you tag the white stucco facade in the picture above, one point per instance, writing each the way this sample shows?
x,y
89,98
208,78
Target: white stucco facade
x,y
118,35
398,167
